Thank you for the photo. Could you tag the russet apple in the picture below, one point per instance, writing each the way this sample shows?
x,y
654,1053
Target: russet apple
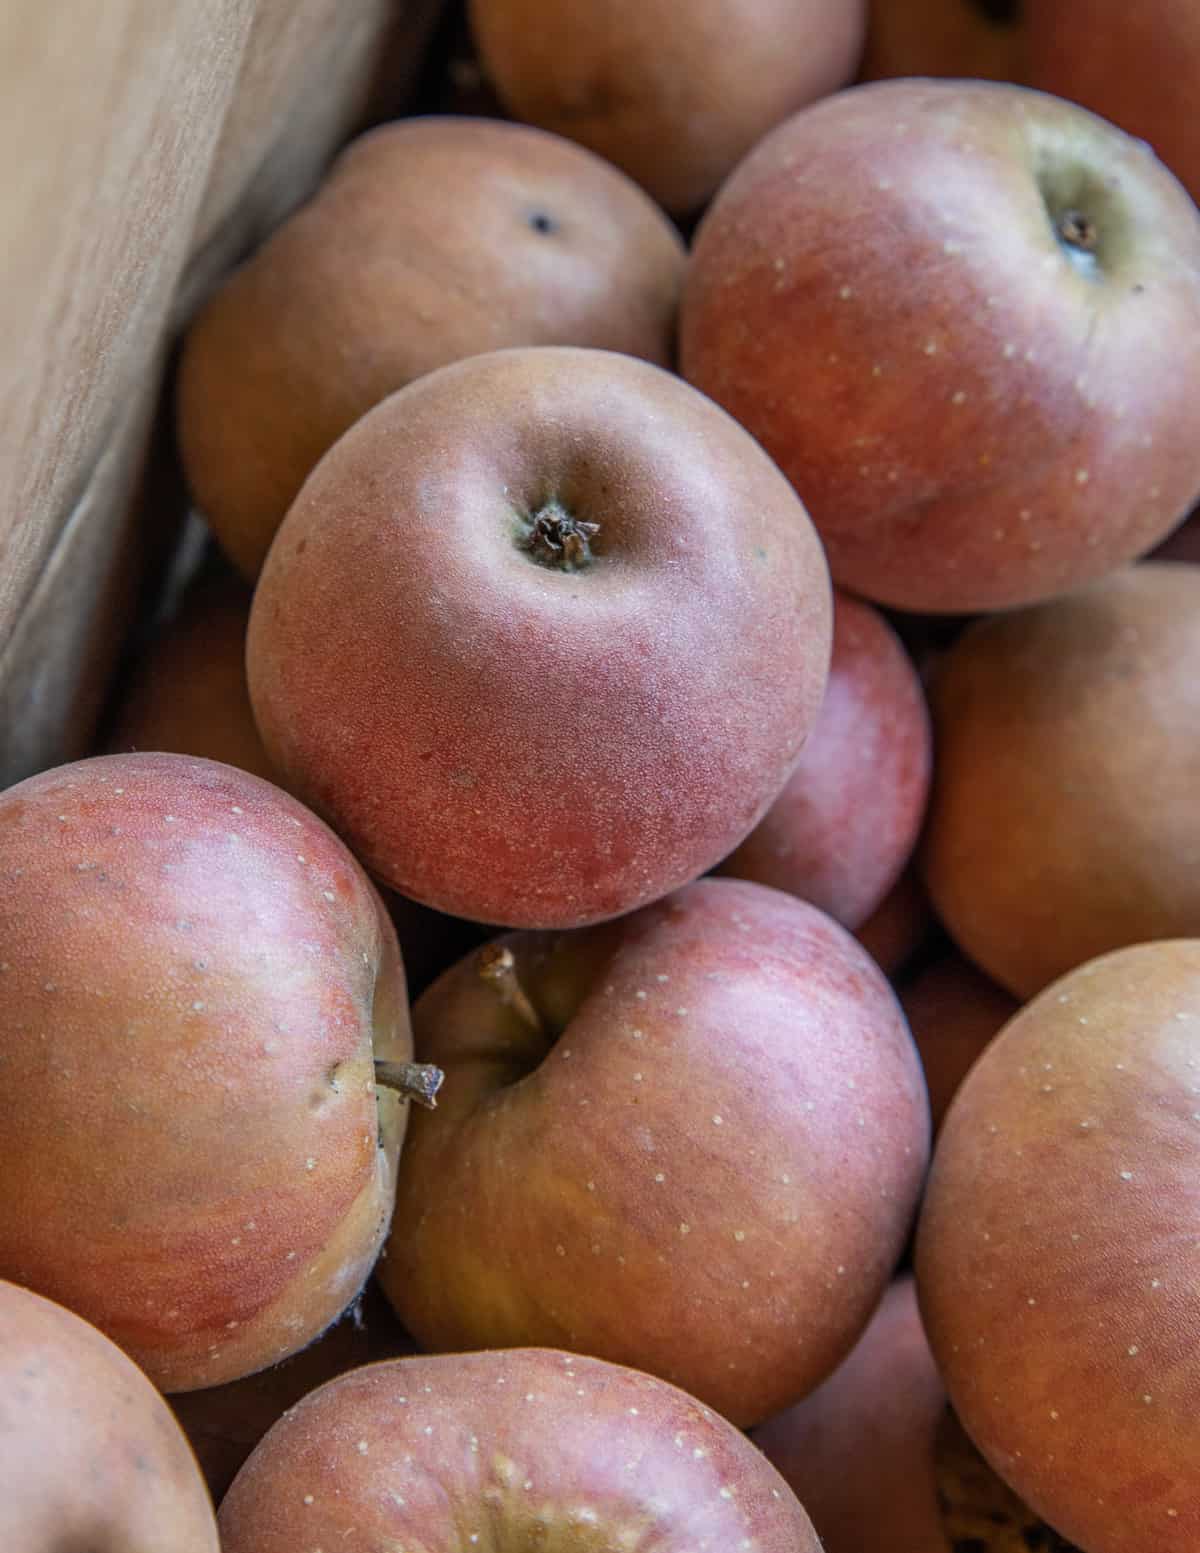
x,y
90,1457
676,95
1056,1251
846,823
432,238
1063,821
690,1140
542,636
195,979
523,1449
964,319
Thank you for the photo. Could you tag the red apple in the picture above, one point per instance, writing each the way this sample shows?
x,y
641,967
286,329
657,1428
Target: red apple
x,y
1064,820
676,115
195,975
1056,1252
1135,64
90,1457
431,239
522,1449
963,317
953,1010
846,823
859,1452
542,637
690,1140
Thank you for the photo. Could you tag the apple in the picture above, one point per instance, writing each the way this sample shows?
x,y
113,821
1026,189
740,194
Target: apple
x,y
187,693
1055,1253
90,1457
431,239
690,1141
542,637
963,317
980,39
846,823
195,976
1133,64
859,1452
953,1011
677,115
529,1448
1064,822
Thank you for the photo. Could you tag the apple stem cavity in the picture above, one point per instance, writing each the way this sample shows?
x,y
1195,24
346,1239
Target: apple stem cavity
x,y
556,539
499,969
419,1081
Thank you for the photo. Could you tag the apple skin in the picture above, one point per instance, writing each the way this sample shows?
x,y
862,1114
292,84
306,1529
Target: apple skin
x,y
846,823
1136,65
517,1449
953,1011
1056,1249
677,118
90,1456
859,1452
708,1175
194,976
974,419
514,743
957,38
1063,822
431,239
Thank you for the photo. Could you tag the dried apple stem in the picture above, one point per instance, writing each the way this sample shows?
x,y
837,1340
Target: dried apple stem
x,y
497,966
419,1081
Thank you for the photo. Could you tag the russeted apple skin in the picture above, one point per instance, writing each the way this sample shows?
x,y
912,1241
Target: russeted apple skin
x,y
517,1449
953,1011
90,1456
859,1452
846,823
514,743
194,976
431,239
677,118
708,1175
976,413
1063,822
1136,65
1055,1253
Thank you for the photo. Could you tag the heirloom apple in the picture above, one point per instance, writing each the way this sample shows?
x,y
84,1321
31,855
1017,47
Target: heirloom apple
x,y
1064,820
90,1457
195,975
846,823
964,319
542,636
528,1448
1056,1252
676,116
432,238
690,1140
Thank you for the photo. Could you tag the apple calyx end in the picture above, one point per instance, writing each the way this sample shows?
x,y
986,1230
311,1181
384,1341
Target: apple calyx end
x,y
419,1081
499,969
1078,230
556,539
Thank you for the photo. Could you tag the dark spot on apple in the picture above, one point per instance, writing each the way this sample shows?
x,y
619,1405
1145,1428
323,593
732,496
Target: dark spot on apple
x,y
1138,289
301,547
540,221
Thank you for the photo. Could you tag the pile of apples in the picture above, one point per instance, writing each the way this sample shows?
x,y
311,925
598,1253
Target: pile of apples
x,y
627,974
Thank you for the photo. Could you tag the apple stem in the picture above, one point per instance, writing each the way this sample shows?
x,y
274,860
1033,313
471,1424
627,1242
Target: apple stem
x,y
419,1081
558,540
1078,230
497,966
